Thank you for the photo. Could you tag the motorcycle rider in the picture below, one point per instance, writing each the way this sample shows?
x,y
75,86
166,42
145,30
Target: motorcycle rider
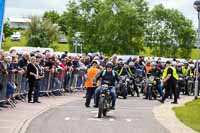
x,y
186,72
156,72
132,71
186,69
121,68
109,77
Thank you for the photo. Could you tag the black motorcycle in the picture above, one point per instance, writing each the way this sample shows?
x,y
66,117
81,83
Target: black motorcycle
x,y
105,102
139,80
190,84
121,88
151,88
181,84
130,86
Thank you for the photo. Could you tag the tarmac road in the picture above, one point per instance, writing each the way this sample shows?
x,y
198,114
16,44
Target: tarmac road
x,y
133,115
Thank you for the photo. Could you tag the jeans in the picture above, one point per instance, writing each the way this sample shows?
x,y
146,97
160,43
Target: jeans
x,y
56,84
112,94
159,88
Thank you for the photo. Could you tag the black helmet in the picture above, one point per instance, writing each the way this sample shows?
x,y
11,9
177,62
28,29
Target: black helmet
x,y
109,64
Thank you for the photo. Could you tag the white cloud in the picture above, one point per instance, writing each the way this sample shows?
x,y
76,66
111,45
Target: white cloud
x,y
18,8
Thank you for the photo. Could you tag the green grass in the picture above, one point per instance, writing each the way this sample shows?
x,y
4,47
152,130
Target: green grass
x,y
22,43
189,114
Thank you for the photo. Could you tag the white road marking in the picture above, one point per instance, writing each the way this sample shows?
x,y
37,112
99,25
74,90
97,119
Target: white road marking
x,y
111,119
94,119
128,120
94,111
67,118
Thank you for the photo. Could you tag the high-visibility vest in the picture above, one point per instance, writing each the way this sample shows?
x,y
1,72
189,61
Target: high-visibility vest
x,y
174,74
129,71
91,75
121,70
185,71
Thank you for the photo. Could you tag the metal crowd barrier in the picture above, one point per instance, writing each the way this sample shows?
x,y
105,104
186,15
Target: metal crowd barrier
x,y
77,80
53,84
3,86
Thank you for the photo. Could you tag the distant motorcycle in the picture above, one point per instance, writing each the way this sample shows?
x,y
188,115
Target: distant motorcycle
x,y
130,86
121,88
190,84
182,84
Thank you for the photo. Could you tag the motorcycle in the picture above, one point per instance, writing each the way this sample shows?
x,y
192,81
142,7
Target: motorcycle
x,y
181,84
190,84
121,88
152,87
105,102
130,86
139,80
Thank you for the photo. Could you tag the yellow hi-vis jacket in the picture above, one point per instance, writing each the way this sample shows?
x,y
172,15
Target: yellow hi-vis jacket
x,y
175,75
185,71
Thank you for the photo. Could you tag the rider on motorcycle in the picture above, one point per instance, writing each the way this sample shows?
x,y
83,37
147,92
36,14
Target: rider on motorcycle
x,y
186,72
109,77
121,68
156,72
132,71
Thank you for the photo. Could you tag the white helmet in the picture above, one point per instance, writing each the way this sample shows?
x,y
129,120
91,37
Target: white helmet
x,y
191,65
131,63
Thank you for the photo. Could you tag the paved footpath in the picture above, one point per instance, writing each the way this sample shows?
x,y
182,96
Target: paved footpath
x,y
133,115
16,120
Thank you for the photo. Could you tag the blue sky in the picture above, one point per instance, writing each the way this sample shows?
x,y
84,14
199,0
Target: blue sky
x,y
23,8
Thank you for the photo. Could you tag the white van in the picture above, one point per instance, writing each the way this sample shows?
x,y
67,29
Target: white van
x,y
20,50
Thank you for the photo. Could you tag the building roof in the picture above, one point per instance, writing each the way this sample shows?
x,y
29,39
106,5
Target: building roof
x,y
19,20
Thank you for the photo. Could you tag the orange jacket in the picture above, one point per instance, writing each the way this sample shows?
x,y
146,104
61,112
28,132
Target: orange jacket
x,y
91,74
148,68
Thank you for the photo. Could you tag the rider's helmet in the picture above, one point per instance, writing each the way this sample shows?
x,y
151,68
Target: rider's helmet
x,y
192,66
153,64
131,63
109,65
186,64
120,61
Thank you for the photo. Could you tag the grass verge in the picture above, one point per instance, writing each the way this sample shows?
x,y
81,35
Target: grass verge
x,y
189,114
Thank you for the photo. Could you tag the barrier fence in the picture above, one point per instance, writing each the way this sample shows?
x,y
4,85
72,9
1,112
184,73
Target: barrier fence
x,y
14,85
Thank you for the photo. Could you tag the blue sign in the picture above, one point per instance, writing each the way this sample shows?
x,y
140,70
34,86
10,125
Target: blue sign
x,y
2,10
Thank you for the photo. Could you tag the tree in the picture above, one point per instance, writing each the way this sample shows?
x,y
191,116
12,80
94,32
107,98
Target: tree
x,y
7,30
107,26
169,33
41,33
53,16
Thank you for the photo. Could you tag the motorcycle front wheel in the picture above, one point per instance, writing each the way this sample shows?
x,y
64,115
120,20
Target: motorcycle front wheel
x,y
101,107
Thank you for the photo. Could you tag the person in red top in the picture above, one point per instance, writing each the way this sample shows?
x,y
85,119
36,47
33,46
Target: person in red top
x,y
91,74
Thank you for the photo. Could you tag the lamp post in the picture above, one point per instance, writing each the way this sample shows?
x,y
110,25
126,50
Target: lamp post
x,y
197,7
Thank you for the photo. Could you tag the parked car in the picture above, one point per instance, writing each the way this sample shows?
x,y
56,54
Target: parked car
x,y
16,36
62,39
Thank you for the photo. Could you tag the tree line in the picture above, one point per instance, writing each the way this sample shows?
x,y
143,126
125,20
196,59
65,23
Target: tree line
x,y
117,27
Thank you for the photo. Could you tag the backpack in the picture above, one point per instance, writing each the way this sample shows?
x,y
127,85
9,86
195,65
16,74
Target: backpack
x,y
104,73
